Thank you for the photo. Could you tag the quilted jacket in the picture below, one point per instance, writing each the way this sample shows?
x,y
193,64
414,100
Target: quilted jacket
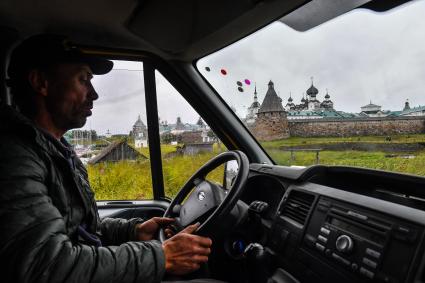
x,y
45,200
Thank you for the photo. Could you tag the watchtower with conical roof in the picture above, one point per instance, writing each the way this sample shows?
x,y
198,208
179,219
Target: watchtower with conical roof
x,y
272,103
271,122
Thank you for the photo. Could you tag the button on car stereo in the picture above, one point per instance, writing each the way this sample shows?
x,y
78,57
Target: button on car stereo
x,y
369,262
320,247
325,231
341,259
344,244
322,239
373,253
367,273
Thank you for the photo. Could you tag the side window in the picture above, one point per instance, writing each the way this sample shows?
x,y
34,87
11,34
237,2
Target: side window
x,y
187,142
113,143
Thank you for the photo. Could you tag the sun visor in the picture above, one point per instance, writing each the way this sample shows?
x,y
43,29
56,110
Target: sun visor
x,y
177,26
173,25
317,12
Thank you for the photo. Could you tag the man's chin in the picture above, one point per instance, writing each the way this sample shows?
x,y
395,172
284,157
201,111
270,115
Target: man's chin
x,y
78,123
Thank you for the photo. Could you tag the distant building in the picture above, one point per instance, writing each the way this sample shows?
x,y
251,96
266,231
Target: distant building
x,y
327,104
309,108
179,125
117,151
253,109
372,110
415,111
311,102
271,122
196,148
201,123
140,133
406,105
181,132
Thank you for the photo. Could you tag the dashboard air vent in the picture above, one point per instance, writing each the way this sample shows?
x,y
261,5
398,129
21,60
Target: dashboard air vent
x,y
297,206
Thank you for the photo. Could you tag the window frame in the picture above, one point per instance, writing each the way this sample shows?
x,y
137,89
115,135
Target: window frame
x,y
228,128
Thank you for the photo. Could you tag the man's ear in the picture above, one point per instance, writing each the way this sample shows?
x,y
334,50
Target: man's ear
x,y
38,81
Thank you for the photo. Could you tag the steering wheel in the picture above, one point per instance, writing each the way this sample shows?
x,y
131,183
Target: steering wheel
x,y
200,200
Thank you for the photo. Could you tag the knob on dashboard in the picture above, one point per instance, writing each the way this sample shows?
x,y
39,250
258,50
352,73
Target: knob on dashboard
x,y
344,244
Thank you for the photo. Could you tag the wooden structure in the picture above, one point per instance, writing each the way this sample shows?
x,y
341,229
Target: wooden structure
x,y
195,148
316,150
117,151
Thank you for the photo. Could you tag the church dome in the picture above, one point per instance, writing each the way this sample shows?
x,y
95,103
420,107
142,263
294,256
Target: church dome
x,y
255,104
290,99
139,123
327,96
312,91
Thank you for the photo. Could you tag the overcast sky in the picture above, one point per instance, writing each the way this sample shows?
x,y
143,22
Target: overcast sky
x,y
359,57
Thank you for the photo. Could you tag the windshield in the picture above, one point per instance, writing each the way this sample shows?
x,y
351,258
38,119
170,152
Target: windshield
x,y
347,92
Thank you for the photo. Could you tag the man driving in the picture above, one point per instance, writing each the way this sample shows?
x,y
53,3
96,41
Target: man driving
x,y
50,227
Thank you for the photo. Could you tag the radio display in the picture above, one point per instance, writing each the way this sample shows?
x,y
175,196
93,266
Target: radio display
x,y
375,237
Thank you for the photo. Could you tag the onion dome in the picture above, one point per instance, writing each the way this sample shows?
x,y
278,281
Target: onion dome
x,y
406,105
327,96
312,91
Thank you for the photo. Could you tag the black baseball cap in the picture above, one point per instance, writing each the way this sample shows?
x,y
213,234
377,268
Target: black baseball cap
x,y
45,50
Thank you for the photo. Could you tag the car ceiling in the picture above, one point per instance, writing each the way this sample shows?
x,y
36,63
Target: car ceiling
x,y
173,29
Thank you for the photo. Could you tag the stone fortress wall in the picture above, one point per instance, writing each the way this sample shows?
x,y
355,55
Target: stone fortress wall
x,y
356,127
313,118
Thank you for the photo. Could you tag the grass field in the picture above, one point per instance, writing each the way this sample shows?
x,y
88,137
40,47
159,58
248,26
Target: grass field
x,y
294,141
132,180
376,160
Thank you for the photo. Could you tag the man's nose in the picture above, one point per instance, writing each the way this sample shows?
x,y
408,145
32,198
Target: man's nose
x,y
93,94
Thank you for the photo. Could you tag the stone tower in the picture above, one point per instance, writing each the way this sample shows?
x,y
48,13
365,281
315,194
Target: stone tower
x,y
253,109
271,122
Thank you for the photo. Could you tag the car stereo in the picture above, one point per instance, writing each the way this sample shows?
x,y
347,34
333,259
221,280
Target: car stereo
x,y
362,242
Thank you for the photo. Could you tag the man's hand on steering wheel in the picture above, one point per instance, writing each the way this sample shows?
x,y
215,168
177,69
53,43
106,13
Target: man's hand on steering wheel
x,y
147,230
185,252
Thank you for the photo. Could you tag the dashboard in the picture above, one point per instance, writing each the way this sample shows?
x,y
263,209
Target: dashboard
x,y
337,224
